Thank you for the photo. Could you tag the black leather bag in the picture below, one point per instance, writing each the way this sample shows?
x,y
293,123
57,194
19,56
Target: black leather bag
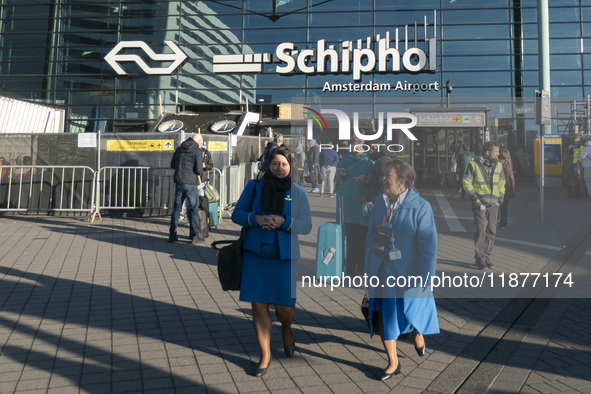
x,y
365,313
230,263
230,258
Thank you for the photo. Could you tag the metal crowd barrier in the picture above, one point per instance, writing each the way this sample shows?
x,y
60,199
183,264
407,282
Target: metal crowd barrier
x,y
216,179
80,188
122,187
46,188
235,179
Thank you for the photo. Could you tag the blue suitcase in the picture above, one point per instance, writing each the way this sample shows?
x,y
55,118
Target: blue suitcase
x,y
329,255
213,213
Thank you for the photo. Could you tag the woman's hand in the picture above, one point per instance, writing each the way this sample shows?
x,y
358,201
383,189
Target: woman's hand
x,y
269,222
343,172
276,220
262,221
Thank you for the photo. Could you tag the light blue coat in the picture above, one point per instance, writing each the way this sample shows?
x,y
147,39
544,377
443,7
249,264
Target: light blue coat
x,y
296,212
350,192
415,235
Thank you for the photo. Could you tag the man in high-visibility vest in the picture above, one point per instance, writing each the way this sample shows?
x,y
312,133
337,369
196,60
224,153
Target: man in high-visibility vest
x,y
586,163
577,148
484,182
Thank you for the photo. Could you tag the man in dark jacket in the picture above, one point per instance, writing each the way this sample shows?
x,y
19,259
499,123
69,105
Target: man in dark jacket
x,y
313,160
329,160
187,163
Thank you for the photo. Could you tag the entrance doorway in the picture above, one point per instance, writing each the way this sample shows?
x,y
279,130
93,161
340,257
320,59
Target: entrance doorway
x,y
434,149
439,132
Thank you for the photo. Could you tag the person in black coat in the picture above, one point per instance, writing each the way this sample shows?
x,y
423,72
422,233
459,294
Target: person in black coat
x,y
187,163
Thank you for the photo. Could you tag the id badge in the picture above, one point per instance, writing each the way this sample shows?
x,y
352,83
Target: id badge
x,y
395,255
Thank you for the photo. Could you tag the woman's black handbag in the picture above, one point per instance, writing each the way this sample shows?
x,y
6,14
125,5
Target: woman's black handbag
x,y
230,262
230,258
365,312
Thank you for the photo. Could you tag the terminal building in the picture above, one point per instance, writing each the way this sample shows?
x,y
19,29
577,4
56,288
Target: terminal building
x,y
470,67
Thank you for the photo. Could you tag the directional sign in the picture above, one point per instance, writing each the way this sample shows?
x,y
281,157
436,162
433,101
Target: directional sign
x,y
440,119
140,145
114,58
543,108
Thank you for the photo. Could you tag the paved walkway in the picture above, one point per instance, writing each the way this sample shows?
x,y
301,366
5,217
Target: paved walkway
x,y
112,307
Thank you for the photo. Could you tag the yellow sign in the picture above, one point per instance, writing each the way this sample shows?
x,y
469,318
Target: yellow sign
x,y
217,146
140,145
457,119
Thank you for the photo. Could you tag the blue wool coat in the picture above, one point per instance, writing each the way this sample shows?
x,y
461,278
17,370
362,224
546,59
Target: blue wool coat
x,y
350,192
296,212
411,307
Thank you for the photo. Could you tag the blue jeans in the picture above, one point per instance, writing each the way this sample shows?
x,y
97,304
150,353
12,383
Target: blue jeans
x,y
191,193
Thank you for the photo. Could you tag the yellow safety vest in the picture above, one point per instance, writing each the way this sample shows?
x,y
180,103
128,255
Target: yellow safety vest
x,y
481,184
577,154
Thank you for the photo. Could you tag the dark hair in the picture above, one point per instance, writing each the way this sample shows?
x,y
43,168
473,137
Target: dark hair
x,y
283,151
403,171
489,145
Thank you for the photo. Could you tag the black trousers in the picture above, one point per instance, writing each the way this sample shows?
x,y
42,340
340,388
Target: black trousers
x,y
485,223
504,211
356,236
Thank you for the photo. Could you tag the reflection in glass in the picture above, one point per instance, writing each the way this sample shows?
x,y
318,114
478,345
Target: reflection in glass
x,y
565,46
416,4
572,62
481,78
481,47
476,32
476,16
341,19
563,14
467,63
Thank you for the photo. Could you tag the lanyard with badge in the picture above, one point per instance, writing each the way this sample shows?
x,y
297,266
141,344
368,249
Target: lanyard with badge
x,y
385,236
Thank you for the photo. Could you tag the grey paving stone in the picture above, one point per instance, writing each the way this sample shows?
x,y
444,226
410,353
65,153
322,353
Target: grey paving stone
x,y
8,386
345,388
63,390
127,385
222,388
316,389
32,384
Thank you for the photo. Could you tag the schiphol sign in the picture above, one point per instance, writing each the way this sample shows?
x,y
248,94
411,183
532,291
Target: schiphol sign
x,y
347,59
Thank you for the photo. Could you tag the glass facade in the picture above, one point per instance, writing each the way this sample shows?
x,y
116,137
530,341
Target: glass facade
x,y
54,51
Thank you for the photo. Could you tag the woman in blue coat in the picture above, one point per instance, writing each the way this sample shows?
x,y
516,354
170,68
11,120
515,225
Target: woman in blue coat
x,y
279,212
402,252
354,171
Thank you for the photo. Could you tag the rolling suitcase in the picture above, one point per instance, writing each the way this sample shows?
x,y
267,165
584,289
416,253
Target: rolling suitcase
x,y
329,255
330,252
213,213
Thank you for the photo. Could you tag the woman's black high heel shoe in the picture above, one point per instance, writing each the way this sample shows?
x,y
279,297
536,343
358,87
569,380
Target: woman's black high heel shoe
x,y
259,372
420,350
289,350
386,376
